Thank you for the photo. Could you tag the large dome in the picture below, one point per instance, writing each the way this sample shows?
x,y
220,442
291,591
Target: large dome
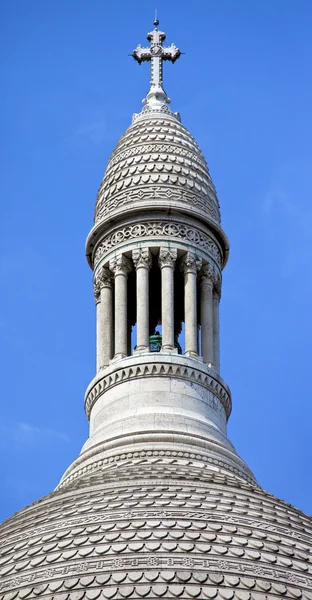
x,y
158,161
157,527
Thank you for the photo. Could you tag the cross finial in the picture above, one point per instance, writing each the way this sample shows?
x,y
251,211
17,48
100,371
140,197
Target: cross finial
x,y
156,54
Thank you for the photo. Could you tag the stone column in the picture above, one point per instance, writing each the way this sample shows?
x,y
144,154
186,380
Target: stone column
x,y
167,260
216,333
103,293
189,265
206,314
121,266
142,261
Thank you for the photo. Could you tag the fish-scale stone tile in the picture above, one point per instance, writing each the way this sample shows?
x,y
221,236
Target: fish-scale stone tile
x,y
178,549
152,155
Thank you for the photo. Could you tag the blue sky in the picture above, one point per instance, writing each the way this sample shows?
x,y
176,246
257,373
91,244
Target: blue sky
x,y
69,88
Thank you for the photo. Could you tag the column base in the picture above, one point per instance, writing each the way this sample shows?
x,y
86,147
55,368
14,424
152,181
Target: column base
x,y
191,353
170,349
141,349
120,356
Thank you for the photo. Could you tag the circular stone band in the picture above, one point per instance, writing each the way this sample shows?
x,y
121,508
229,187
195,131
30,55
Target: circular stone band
x,y
110,378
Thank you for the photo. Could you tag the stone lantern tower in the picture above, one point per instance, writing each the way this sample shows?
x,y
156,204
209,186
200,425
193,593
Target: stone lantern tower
x,y
158,504
157,251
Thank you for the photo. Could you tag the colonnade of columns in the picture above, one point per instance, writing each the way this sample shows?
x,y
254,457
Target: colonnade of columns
x,y
110,287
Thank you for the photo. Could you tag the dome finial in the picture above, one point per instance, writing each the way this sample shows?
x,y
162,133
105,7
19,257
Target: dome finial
x,y
156,54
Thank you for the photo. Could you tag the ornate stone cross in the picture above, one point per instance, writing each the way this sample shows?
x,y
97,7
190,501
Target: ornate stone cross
x,y
156,54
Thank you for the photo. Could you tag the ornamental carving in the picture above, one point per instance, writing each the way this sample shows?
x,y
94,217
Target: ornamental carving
x,y
217,282
103,278
190,263
167,151
142,258
120,264
207,273
167,258
158,193
159,229
97,292
173,457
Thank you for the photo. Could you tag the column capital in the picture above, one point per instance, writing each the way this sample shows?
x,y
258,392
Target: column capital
x,y
142,258
217,281
120,265
190,263
97,292
167,258
207,273
104,278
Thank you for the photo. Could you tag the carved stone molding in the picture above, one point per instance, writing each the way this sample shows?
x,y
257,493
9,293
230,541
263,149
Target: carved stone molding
x,y
120,265
142,258
161,195
190,263
207,273
165,455
104,278
167,258
217,283
155,370
97,292
150,229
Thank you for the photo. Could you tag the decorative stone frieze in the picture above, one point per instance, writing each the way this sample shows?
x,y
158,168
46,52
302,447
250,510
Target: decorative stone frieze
x,y
165,458
159,229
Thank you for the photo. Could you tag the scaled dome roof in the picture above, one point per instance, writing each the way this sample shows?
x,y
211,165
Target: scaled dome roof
x,y
157,527
157,161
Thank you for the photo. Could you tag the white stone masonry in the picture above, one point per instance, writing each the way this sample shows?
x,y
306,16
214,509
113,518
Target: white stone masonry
x,y
121,266
142,261
167,259
190,265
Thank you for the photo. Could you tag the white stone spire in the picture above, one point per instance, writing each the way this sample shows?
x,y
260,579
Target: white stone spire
x,y
157,251
156,54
